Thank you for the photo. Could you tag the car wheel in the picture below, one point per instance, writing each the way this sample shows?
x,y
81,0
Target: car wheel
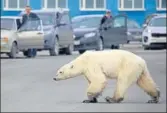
x,y
146,48
55,50
128,41
100,45
115,46
25,53
81,51
69,49
14,50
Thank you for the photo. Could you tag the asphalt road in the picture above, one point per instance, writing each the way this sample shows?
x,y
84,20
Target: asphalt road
x,y
27,86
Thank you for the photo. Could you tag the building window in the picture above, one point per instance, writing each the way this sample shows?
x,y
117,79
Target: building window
x,y
15,4
92,4
161,4
52,4
131,5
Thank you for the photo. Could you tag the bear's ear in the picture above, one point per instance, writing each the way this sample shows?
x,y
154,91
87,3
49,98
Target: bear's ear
x,y
72,66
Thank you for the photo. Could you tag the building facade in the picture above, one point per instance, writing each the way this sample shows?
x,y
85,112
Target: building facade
x,y
135,9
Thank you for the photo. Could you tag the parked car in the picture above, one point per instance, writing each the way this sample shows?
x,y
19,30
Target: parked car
x,y
154,35
9,27
134,31
57,31
89,35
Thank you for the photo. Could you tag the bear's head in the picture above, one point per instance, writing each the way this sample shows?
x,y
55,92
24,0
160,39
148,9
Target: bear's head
x,y
68,71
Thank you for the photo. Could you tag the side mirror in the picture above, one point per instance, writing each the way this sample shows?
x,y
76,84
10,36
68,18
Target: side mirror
x,y
144,25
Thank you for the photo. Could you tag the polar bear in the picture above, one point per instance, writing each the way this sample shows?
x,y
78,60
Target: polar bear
x,y
98,66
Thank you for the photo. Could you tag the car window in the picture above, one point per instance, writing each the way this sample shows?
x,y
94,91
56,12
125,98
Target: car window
x,y
132,24
7,23
119,22
158,22
88,22
77,19
65,19
31,25
47,18
148,18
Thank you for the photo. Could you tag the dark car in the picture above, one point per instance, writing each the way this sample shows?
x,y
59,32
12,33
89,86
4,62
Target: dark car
x,y
134,31
89,35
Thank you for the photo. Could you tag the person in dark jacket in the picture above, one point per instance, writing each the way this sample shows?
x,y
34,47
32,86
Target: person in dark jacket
x,y
29,16
105,17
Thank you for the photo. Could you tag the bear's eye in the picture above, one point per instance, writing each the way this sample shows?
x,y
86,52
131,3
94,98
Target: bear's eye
x,y
72,66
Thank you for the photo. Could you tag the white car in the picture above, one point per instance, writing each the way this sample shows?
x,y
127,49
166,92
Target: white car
x,y
16,38
154,34
9,27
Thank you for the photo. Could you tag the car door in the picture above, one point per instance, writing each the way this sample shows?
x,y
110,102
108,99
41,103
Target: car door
x,y
31,35
115,31
65,30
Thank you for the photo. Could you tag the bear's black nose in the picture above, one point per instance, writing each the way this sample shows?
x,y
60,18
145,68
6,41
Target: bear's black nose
x,y
54,78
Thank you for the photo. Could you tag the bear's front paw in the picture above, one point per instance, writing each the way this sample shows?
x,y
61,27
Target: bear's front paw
x,y
112,100
90,101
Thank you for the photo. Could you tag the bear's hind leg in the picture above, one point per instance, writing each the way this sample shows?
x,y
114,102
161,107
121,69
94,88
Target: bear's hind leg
x,y
147,84
94,91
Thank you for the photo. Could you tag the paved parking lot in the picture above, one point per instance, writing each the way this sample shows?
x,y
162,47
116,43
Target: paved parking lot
x,y
27,85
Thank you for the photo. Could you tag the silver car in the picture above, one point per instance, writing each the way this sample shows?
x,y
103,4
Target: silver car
x,y
9,27
57,31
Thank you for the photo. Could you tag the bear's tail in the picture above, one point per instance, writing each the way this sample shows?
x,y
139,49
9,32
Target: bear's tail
x,y
146,82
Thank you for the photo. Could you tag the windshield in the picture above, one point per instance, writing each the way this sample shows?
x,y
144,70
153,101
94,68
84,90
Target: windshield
x,y
158,22
133,24
7,23
92,22
31,25
47,19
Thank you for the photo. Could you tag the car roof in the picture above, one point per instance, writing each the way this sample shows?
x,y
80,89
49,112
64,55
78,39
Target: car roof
x,y
92,15
11,17
159,16
48,11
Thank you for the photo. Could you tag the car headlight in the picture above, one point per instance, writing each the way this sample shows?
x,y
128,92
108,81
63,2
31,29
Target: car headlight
x,y
128,33
148,30
89,35
74,36
5,39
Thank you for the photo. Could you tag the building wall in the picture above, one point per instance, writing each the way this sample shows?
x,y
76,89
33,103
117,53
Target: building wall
x,y
74,6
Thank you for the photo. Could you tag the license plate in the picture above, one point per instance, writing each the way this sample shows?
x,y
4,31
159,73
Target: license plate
x,y
76,42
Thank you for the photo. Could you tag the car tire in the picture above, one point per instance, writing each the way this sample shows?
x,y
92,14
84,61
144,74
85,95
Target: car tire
x,y
81,51
146,48
14,50
25,53
55,50
128,41
69,49
100,45
115,46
